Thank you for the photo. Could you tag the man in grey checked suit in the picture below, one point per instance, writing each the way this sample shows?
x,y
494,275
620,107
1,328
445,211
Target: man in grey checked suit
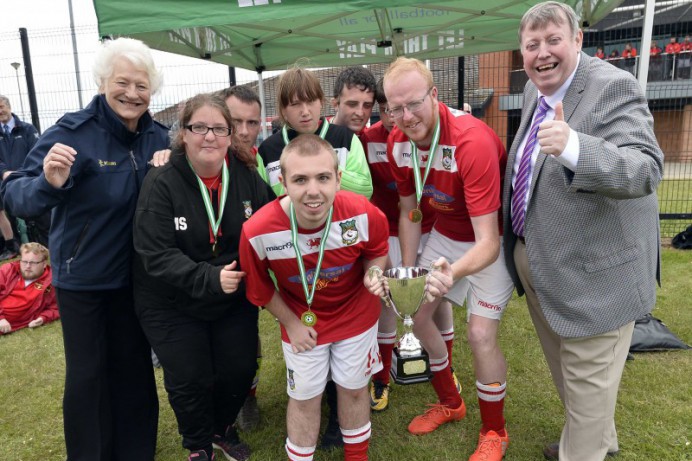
x,y
585,247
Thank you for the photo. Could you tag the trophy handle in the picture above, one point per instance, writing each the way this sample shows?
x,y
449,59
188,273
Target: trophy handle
x,y
433,267
375,271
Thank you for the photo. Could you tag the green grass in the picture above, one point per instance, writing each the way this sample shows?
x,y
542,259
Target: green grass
x,y
654,414
674,196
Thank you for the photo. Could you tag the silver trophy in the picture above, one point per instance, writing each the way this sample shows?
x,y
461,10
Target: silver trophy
x,y
410,362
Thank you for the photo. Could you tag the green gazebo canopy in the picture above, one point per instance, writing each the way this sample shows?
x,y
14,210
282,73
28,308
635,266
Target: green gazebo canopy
x,y
272,34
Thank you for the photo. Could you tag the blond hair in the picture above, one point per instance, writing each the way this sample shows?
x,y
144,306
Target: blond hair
x,y
35,248
404,65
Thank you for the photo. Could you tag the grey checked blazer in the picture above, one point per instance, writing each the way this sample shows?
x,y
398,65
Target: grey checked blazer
x,y
592,235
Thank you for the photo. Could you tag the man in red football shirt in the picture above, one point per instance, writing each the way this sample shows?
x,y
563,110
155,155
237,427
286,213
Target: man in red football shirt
x,y
320,243
386,198
456,162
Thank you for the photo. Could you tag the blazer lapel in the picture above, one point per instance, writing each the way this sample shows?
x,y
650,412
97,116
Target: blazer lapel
x,y
576,89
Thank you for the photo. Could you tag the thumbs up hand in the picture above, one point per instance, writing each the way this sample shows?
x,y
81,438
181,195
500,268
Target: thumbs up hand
x,y
554,134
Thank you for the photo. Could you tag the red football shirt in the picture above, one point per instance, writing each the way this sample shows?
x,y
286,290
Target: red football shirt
x,y
344,307
465,179
385,194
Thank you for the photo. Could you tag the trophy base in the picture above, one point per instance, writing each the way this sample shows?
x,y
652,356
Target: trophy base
x,y
410,370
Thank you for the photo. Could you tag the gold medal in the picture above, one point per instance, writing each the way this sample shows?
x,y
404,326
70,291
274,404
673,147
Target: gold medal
x,y
308,318
415,215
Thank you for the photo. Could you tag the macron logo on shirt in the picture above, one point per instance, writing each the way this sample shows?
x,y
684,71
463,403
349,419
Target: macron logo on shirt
x,y
246,3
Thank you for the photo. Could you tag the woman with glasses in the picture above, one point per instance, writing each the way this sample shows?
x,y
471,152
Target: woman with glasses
x,y
88,168
189,287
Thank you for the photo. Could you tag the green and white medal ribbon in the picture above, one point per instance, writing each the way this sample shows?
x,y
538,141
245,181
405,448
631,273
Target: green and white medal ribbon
x,y
214,224
416,215
323,131
309,318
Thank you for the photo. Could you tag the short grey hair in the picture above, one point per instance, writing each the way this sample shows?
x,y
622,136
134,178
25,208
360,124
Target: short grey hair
x,y
4,99
541,15
134,51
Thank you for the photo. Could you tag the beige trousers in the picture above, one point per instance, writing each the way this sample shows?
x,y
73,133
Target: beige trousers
x,y
586,372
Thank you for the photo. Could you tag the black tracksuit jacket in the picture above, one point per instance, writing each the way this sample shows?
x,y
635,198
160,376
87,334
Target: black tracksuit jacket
x,y
175,266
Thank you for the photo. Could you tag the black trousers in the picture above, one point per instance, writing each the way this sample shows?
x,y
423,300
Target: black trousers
x,y
110,406
208,366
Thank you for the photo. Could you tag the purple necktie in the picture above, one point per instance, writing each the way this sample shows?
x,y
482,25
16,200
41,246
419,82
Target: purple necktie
x,y
523,178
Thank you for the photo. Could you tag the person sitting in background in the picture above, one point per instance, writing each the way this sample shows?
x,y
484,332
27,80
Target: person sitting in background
x,y
599,53
27,298
614,54
276,125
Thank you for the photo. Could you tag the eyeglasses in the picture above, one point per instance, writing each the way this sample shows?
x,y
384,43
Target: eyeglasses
x,y
32,263
413,106
219,131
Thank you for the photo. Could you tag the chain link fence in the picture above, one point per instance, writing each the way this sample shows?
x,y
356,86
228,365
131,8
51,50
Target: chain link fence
x,y
491,83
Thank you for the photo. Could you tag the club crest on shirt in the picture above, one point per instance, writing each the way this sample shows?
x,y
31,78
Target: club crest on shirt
x,y
291,381
447,158
349,233
314,243
247,206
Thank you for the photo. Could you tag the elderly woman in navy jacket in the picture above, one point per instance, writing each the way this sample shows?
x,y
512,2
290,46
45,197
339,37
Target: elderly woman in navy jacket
x,y
88,168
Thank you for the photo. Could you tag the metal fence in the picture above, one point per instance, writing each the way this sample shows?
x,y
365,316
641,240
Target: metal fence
x,y
491,83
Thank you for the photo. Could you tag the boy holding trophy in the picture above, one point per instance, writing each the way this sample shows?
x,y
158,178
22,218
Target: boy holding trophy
x,y
320,243
454,161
